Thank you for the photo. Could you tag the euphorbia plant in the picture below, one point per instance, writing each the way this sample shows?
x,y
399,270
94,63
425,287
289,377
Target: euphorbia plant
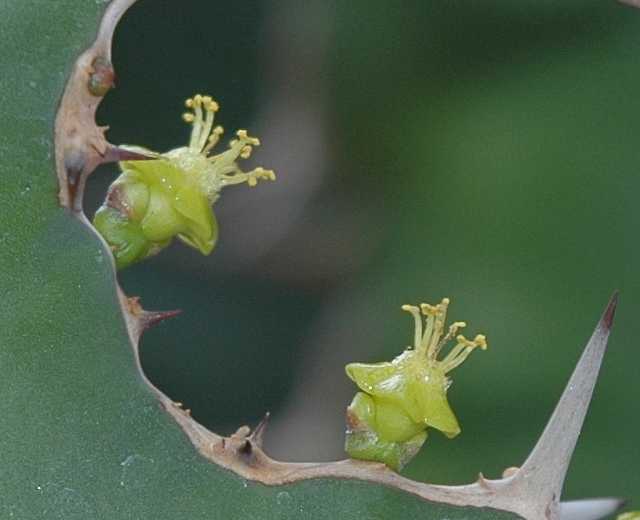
x,y
84,435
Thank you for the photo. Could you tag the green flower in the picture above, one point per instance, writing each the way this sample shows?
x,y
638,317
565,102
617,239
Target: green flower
x,y
153,201
399,400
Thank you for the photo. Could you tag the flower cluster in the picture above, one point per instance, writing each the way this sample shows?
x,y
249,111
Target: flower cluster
x,y
387,420
153,201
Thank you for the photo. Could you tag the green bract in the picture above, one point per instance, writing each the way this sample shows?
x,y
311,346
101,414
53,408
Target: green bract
x,y
153,201
388,419
631,515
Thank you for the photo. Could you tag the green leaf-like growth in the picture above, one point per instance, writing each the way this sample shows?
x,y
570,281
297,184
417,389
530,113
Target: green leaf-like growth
x,y
387,421
83,434
153,201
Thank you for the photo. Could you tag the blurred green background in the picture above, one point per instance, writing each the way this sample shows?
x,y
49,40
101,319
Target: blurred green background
x,y
483,150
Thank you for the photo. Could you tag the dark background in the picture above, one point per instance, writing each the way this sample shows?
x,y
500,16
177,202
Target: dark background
x,y
481,150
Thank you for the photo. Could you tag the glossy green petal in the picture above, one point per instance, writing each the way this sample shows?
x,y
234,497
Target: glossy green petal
x,y
161,221
392,422
134,194
125,237
363,441
371,377
161,173
434,410
177,204
410,384
201,225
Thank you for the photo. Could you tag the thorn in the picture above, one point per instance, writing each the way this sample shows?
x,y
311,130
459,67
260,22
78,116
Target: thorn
x,y
117,154
610,311
590,508
150,318
482,481
258,433
541,477
147,319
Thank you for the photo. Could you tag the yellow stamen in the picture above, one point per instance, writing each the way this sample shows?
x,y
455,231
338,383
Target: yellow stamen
x,y
453,330
213,139
431,341
206,128
415,312
224,170
462,350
